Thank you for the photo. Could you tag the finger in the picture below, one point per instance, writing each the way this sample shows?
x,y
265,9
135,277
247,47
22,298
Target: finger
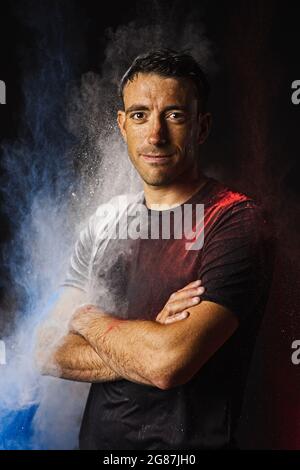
x,y
174,307
180,305
183,294
165,319
162,316
177,317
186,293
191,284
159,315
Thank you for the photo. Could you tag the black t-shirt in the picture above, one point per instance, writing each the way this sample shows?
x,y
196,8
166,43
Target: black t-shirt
x,y
234,265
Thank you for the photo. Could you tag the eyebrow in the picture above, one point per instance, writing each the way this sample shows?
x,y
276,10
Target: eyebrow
x,y
142,107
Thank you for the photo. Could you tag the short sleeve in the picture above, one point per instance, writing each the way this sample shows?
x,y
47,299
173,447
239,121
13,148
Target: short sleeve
x,y
78,273
94,238
235,264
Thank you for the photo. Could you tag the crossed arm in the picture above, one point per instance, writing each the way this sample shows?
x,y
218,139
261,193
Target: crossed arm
x,y
103,348
166,355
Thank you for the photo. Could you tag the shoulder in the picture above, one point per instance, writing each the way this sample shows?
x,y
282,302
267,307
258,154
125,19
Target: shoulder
x,y
234,212
223,197
224,203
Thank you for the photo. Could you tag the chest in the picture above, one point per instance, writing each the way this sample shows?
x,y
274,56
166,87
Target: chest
x,y
139,276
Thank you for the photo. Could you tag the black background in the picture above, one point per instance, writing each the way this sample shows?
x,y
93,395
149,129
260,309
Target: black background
x,y
254,146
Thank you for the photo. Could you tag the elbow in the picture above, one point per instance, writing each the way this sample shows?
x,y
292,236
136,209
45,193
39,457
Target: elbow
x,y
163,384
39,359
173,369
171,380
39,363
165,373
168,381
46,364
43,353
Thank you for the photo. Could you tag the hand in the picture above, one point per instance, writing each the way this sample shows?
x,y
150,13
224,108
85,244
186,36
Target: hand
x,y
82,316
179,301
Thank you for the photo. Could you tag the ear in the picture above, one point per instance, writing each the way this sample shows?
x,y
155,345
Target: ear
x,y
205,121
121,124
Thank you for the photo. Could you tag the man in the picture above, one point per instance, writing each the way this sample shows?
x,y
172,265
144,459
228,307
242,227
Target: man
x,y
167,357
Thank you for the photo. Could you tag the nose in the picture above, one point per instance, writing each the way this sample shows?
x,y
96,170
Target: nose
x,y
158,132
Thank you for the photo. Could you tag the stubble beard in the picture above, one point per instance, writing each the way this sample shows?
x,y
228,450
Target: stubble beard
x,y
165,177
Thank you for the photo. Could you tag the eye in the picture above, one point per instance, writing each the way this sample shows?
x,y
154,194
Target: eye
x,y
138,116
176,116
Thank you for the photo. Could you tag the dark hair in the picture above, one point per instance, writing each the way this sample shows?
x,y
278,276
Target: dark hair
x,y
169,63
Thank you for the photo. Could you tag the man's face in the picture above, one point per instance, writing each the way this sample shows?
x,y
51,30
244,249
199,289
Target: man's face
x,y
162,127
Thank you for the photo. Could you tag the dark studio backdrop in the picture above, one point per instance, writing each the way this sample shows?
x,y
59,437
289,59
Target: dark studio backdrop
x,y
251,48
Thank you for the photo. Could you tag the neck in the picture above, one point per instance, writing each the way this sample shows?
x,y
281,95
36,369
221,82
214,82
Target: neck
x,y
174,194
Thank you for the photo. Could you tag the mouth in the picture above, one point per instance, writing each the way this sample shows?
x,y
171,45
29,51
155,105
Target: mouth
x,y
157,158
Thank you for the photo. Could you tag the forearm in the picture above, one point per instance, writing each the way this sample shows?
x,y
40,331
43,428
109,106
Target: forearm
x,y
134,349
75,359
139,350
